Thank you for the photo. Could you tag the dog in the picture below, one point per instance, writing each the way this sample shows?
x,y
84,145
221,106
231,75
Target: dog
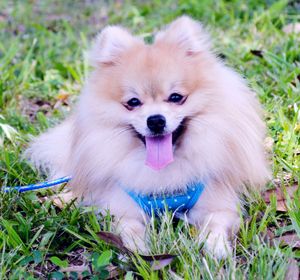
x,y
153,119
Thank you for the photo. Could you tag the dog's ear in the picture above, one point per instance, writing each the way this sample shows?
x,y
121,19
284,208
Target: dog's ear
x,y
187,34
110,44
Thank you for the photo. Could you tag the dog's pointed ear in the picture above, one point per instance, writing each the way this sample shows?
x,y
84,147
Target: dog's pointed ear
x,y
110,44
187,34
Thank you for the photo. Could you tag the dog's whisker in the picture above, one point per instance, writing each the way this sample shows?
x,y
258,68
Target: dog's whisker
x,y
120,132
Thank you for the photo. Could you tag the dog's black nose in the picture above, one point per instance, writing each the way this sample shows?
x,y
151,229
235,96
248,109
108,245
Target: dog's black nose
x,y
156,123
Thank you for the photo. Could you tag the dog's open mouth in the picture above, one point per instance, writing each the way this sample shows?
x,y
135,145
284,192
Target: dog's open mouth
x,y
159,148
177,133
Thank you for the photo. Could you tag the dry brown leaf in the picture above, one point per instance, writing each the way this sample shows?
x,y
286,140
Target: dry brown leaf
x,y
62,199
292,272
114,240
63,99
281,206
63,96
114,271
31,107
268,144
75,268
290,239
158,261
270,234
3,17
280,196
59,200
279,193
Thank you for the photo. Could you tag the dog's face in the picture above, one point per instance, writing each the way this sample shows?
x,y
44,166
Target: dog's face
x,y
154,95
155,90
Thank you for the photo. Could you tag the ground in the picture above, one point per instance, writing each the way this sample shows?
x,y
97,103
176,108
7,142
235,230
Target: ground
x,y
43,66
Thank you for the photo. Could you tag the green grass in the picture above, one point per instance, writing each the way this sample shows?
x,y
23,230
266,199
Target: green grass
x,y
42,51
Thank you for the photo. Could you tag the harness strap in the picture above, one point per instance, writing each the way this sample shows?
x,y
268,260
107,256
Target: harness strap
x,y
181,202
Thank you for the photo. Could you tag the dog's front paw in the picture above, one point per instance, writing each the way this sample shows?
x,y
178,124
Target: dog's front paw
x,y
135,244
134,236
218,245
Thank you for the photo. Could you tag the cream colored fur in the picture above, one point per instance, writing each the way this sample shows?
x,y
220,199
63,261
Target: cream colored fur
x,y
223,141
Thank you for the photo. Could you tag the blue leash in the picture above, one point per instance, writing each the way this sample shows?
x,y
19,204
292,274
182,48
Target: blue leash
x,y
42,185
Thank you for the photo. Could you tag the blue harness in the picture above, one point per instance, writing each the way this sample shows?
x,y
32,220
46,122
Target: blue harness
x,y
178,202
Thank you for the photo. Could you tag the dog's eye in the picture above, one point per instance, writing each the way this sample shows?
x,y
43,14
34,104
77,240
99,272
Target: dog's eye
x,y
134,102
175,98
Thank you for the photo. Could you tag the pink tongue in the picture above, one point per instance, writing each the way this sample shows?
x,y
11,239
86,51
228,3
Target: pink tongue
x,y
159,151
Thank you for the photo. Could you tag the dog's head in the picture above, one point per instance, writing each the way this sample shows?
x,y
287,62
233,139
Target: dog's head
x,y
154,90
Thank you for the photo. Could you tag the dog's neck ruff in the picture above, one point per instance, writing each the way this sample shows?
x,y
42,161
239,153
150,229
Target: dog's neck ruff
x,y
179,202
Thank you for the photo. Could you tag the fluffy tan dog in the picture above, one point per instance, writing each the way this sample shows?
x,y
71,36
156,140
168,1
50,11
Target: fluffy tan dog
x,y
154,118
